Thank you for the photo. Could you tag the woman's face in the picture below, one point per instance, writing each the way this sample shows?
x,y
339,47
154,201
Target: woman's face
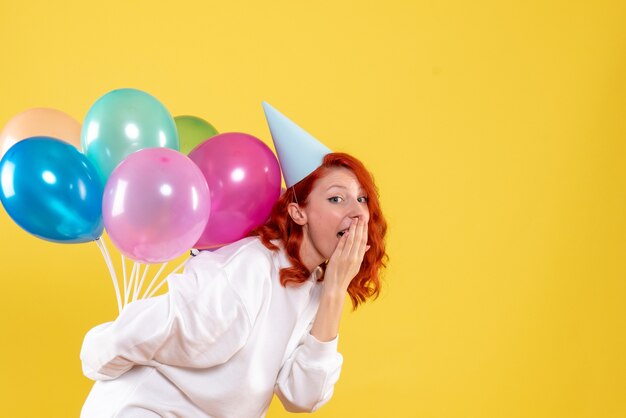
x,y
336,198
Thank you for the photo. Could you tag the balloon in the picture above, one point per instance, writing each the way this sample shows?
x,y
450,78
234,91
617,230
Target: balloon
x,y
40,122
124,121
52,190
244,179
156,205
192,131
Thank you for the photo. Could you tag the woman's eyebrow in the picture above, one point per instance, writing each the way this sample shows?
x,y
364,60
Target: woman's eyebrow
x,y
361,189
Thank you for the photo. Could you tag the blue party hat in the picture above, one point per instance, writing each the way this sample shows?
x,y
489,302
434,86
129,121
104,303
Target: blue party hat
x,y
299,153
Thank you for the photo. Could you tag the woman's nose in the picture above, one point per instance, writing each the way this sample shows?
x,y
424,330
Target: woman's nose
x,y
359,210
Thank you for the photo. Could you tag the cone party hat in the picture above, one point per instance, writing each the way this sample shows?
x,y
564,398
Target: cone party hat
x,y
299,153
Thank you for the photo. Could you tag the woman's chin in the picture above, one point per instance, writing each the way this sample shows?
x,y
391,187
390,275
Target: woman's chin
x,y
331,251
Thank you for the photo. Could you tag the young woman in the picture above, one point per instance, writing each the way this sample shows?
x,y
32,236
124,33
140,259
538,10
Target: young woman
x,y
256,317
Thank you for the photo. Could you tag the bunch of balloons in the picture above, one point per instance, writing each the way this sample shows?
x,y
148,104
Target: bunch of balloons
x,y
159,185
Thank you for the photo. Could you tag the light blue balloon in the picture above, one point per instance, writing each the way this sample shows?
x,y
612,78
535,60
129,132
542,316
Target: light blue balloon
x,y
52,190
124,121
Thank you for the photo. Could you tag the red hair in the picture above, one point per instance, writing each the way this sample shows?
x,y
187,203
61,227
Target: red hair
x,y
366,284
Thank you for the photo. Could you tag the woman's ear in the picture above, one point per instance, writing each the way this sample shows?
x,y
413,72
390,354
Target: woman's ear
x,y
296,213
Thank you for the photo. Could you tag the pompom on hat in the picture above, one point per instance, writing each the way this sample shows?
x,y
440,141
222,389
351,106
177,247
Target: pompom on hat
x,y
299,153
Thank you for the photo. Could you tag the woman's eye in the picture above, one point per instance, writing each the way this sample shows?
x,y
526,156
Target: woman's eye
x,y
362,199
334,199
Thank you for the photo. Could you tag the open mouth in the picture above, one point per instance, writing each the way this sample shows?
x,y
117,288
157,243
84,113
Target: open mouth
x,y
340,233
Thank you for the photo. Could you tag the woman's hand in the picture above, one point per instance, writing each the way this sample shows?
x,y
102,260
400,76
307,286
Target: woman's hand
x,y
345,262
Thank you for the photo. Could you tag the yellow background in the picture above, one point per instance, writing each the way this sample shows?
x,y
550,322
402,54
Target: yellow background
x,y
495,131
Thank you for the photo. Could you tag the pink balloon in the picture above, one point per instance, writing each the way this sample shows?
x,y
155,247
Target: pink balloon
x,y
244,179
156,204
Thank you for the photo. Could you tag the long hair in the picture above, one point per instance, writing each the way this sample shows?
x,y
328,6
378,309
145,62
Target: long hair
x,y
367,283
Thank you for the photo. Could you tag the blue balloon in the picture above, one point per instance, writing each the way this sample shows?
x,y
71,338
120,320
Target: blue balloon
x,y
52,190
124,121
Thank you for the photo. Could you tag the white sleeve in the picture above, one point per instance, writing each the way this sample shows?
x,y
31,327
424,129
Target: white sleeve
x,y
306,380
199,323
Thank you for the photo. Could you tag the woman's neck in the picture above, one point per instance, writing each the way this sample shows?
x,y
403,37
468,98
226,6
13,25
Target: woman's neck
x,y
309,255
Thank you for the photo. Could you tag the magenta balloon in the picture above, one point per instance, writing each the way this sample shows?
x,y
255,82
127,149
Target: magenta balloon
x,y
156,204
244,179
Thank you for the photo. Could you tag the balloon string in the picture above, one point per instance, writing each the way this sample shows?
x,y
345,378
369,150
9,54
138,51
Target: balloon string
x,y
136,281
107,260
136,293
136,267
127,286
153,280
164,280
131,283
125,283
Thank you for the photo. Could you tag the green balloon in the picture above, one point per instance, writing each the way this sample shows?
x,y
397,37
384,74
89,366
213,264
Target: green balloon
x,y
192,132
124,121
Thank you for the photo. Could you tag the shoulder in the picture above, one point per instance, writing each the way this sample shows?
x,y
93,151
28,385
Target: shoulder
x,y
246,253
247,265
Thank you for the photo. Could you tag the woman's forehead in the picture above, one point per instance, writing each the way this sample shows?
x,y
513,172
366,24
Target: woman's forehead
x,y
339,177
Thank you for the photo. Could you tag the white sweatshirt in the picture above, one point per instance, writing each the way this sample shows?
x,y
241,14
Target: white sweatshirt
x,y
224,338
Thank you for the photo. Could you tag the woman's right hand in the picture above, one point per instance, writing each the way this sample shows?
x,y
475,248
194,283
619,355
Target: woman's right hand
x,y
345,262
